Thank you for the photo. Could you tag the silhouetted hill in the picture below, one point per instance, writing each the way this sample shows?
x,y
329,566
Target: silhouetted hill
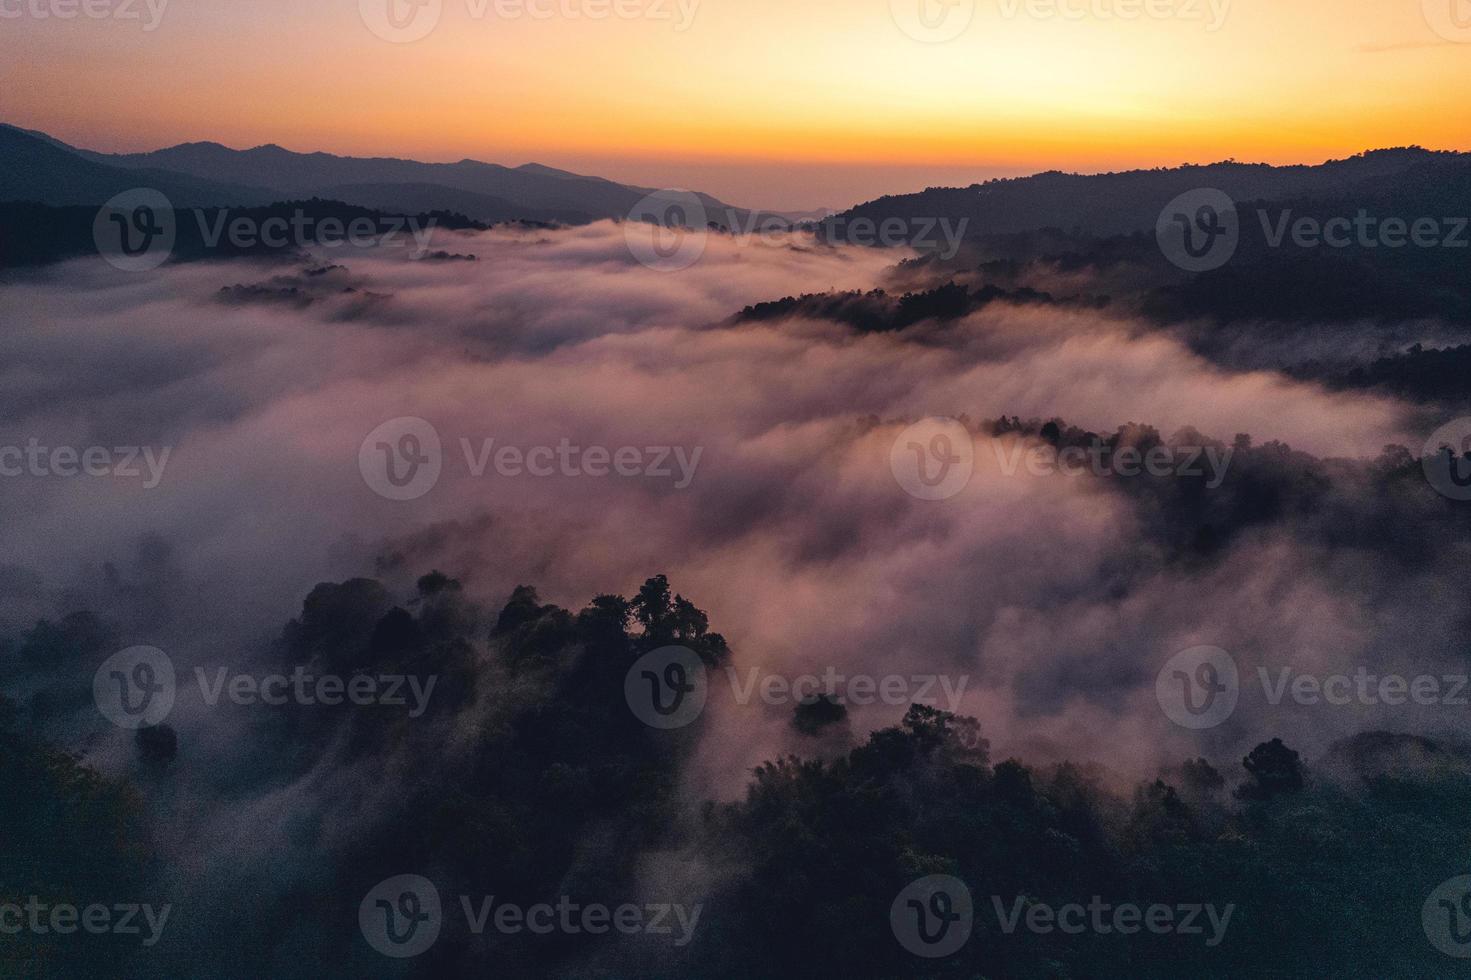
x,y
877,311
34,167
538,168
37,234
1129,201
1378,758
431,197
1417,373
37,167
1285,280
534,192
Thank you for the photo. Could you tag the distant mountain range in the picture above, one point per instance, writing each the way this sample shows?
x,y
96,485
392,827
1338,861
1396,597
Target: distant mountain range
x,y
1102,205
38,168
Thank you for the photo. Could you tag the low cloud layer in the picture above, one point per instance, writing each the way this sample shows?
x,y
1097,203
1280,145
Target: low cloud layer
x,y
1050,594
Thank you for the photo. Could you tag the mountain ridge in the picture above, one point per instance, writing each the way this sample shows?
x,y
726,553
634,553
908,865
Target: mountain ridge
x,y
1129,201
46,170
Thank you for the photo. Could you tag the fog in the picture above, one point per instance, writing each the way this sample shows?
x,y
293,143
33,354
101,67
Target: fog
x,y
1047,593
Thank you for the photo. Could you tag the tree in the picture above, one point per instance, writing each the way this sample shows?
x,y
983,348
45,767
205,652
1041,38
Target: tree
x,y
158,745
1274,770
816,713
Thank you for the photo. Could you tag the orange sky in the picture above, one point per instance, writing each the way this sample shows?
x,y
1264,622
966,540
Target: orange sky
x,y
778,103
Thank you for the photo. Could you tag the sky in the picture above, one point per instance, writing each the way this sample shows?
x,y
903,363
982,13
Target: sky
x,y
789,104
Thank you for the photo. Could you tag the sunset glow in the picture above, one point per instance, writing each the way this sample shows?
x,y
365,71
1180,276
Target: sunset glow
x,y
637,98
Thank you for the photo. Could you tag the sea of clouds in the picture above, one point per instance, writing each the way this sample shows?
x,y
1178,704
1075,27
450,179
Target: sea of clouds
x,y
1045,592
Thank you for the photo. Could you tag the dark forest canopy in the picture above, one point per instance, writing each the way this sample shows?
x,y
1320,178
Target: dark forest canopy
x,y
530,778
